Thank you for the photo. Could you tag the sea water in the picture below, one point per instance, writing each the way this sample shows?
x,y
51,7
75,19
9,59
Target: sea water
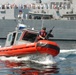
x,y
63,64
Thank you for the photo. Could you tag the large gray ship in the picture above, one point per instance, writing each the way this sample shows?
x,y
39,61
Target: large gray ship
x,y
58,13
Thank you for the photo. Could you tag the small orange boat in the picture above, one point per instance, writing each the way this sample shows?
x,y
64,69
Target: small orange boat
x,y
22,42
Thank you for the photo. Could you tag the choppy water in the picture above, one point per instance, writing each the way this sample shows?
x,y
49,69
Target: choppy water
x,y
65,63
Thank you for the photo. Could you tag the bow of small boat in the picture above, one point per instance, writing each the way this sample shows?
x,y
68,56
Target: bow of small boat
x,y
49,47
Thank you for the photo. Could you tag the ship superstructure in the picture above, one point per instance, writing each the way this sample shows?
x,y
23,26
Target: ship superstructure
x,y
54,9
58,13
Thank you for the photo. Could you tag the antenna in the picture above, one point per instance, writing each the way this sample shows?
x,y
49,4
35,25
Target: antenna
x,y
42,22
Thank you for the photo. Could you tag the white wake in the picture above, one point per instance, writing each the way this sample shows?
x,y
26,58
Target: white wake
x,y
41,58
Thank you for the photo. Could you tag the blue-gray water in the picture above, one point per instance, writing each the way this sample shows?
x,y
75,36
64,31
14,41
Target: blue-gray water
x,y
66,63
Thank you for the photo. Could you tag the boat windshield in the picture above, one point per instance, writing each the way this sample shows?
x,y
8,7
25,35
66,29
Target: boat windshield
x,y
29,37
18,35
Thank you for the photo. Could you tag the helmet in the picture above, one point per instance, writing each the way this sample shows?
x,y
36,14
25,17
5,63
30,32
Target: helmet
x,y
20,10
44,28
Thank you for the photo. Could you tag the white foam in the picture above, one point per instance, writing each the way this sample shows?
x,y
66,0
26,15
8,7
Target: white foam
x,y
66,51
42,59
15,59
63,54
47,61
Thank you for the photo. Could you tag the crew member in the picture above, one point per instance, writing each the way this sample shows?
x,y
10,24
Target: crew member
x,y
42,34
20,15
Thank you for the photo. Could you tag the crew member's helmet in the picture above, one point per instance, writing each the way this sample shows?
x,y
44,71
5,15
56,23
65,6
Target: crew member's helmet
x,y
44,28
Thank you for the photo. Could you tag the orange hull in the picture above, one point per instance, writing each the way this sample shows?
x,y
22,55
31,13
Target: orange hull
x,y
42,46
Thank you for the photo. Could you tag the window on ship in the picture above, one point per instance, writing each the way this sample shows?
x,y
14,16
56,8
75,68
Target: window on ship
x,y
72,18
3,12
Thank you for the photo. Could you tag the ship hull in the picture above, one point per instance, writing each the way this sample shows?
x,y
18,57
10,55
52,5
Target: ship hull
x,y
63,30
